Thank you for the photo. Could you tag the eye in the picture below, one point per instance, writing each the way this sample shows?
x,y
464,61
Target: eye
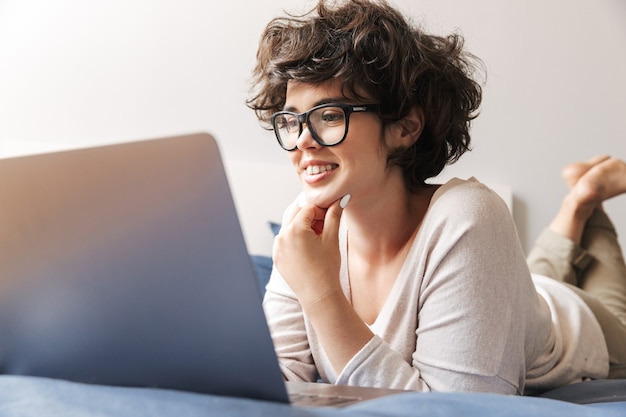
x,y
332,116
286,122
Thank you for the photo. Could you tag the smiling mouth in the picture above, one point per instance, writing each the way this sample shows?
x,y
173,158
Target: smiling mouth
x,y
319,169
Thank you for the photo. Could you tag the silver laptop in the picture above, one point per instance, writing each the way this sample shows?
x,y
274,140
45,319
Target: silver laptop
x,y
126,265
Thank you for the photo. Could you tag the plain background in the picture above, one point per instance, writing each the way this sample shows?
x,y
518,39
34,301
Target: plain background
x,y
77,73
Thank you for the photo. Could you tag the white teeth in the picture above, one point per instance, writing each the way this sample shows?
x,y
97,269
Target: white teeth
x,y
318,169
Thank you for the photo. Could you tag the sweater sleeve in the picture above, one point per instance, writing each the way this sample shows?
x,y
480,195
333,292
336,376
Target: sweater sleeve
x,y
287,325
467,278
286,322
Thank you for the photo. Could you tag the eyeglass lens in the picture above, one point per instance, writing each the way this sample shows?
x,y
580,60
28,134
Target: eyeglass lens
x,y
326,124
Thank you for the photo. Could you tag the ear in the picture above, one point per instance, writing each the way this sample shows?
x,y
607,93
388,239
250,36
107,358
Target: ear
x,y
405,132
411,127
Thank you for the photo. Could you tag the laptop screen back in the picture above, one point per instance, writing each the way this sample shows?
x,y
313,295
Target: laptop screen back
x,y
126,265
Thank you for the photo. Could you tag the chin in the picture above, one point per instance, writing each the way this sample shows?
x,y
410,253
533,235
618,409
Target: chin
x,y
319,200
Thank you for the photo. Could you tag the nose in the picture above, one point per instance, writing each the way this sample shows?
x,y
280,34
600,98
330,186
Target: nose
x,y
305,140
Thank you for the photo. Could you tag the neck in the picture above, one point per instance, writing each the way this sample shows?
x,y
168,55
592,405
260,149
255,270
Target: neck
x,y
380,230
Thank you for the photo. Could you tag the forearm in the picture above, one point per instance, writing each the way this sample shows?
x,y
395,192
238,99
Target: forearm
x,y
340,330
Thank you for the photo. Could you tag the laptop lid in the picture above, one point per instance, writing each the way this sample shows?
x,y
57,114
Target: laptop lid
x,y
126,265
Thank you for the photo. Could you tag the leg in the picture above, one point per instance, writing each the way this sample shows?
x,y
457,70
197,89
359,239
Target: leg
x,y
591,183
614,333
604,281
605,277
557,252
581,219
597,272
558,257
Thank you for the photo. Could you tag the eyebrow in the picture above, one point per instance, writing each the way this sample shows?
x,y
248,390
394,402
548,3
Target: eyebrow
x,y
319,103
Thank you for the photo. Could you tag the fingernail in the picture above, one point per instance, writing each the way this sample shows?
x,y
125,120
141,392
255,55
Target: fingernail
x,y
344,201
301,200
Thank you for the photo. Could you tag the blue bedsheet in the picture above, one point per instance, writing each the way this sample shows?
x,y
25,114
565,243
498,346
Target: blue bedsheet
x,y
30,396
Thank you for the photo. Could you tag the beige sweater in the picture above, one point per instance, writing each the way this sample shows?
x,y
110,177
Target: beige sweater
x,y
463,315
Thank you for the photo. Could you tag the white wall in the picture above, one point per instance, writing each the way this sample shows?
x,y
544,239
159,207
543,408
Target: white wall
x,y
78,73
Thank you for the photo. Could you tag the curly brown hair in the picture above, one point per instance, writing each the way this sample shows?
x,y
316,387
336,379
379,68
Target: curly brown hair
x,y
378,55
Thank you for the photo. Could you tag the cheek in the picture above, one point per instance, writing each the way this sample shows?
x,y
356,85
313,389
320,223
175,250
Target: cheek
x,y
294,158
374,150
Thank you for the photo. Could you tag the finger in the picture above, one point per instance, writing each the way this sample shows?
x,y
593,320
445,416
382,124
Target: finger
x,y
311,218
291,214
295,207
317,222
332,219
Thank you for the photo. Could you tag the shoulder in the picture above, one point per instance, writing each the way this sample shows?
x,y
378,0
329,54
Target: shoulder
x,y
468,200
468,212
469,191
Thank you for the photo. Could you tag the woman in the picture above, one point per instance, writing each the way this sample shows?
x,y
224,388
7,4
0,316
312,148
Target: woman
x,y
380,278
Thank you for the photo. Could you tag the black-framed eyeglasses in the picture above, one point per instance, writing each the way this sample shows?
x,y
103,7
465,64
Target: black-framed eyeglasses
x,y
328,123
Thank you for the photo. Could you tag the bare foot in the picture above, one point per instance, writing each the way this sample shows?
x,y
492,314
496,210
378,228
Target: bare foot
x,y
572,172
602,181
591,183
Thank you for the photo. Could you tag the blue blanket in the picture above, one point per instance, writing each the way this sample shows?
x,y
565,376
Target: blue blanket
x,y
30,396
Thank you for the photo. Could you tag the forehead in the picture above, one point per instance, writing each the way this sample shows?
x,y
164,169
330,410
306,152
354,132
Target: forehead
x,y
303,94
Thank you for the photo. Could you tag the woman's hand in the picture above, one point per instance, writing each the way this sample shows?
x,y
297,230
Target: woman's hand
x,y
306,251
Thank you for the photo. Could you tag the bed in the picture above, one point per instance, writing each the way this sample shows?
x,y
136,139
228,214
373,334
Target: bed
x,y
22,395
26,396
30,396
